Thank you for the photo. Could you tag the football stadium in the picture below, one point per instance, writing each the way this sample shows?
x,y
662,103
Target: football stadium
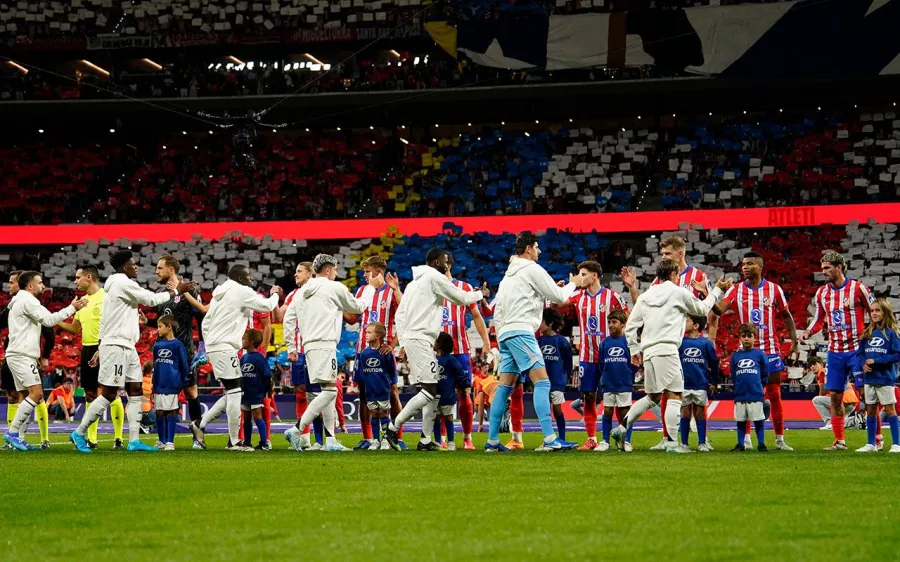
x,y
449,279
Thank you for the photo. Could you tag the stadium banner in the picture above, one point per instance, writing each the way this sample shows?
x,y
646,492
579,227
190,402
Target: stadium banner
x,y
286,37
781,40
61,42
344,229
108,41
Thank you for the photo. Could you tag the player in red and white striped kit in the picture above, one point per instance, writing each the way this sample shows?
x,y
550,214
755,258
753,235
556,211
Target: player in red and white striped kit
x,y
592,305
453,322
673,248
382,309
758,302
841,304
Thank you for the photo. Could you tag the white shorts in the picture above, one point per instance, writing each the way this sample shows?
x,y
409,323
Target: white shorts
x,y
698,397
225,364
744,411
423,367
379,405
24,371
617,399
321,364
881,394
166,402
663,372
246,408
118,365
557,397
447,410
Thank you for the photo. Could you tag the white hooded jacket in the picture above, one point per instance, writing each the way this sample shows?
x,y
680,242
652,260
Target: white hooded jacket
x,y
26,316
226,320
661,312
521,296
119,324
421,309
319,309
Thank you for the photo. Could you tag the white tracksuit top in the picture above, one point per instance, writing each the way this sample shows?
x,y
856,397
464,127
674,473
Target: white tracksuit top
x,y
521,296
226,320
319,309
421,309
119,324
26,316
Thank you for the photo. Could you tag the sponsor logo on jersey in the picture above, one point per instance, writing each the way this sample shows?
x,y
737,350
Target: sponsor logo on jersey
x,y
692,352
746,363
164,353
616,351
756,315
373,362
592,323
876,342
373,316
248,368
548,350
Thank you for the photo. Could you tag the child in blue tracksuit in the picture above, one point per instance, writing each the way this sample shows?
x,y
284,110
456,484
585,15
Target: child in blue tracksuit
x,y
749,368
557,352
377,372
879,350
256,380
450,377
170,371
700,365
616,378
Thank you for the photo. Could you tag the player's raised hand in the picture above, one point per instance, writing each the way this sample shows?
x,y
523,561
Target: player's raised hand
x,y
485,290
185,286
142,318
275,290
80,303
724,283
700,287
629,276
392,280
577,279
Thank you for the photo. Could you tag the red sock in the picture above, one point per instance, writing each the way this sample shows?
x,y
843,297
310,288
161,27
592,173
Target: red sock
x,y
366,429
773,394
465,414
837,426
662,413
517,409
443,426
748,427
878,419
590,418
267,416
300,396
339,406
399,433
241,428
620,418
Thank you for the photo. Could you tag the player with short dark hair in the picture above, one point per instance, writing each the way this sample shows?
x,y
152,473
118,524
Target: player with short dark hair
x,y
749,367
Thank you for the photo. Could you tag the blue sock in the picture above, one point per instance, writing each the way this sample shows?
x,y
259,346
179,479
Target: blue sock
x,y
684,429
318,429
161,428
450,429
741,431
248,428
541,398
171,422
871,428
894,422
438,423
606,427
376,429
701,430
628,431
560,424
760,427
501,395
261,428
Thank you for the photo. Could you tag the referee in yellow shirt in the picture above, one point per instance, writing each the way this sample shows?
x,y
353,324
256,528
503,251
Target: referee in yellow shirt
x,y
87,321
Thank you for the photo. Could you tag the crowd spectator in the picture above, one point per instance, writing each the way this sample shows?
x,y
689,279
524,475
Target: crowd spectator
x,y
61,403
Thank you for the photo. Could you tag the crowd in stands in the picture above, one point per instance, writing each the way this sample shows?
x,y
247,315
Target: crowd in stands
x,y
740,162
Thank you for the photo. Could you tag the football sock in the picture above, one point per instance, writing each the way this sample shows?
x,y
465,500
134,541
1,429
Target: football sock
x,y
92,414
437,427
590,418
773,394
376,429
541,398
628,431
366,427
133,411
43,420
501,395
319,430
448,423
161,428
748,427
316,407
870,429
262,429
244,417
23,415
267,418
607,427
837,426
117,415
214,412
300,407
517,409
637,410
760,427
667,427
741,432
194,409
701,430
233,412
248,429
684,428
673,416
560,424
465,415
329,415
11,414
171,427
429,411
92,431
894,423
412,407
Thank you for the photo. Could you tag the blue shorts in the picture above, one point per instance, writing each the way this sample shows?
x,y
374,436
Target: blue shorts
x,y
776,364
839,368
465,361
589,374
519,352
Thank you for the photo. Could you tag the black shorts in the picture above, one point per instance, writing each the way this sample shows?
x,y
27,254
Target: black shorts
x,y
89,375
6,378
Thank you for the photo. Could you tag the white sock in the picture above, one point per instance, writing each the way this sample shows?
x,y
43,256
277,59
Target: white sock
x,y
779,438
233,411
429,412
317,406
517,436
329,416
822,406
217,409
673,417
95,412
412,407
467,436
133,412
23,415
637,410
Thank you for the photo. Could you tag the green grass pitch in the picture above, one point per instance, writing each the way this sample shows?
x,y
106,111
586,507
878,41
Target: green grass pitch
x,y
281,505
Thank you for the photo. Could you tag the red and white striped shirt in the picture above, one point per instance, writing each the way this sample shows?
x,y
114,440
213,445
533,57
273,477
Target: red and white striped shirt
x,y
453,320
293,331
381,309
844,310
254,322
593,311
688,276
759,306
